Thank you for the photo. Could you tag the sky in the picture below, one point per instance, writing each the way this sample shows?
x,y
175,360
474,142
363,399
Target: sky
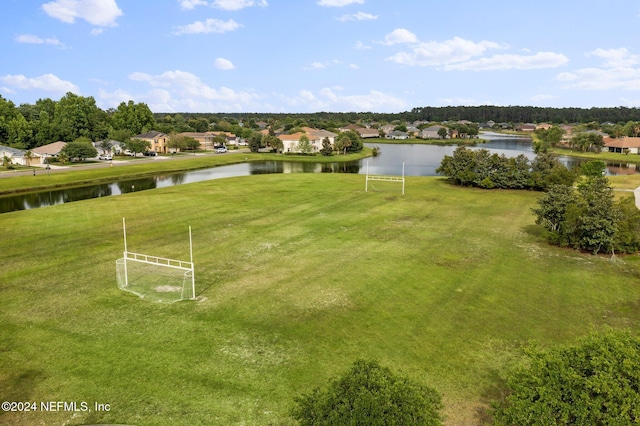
x,y
304,56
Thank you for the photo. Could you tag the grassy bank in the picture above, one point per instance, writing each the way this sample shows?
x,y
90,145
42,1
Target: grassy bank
x,y
132,169
297,276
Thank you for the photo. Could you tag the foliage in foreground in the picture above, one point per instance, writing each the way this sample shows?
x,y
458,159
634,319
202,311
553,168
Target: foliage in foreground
x,y
482,169
596,382
369,394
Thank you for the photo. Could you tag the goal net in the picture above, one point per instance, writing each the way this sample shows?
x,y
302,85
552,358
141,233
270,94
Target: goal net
x,y
384,183
155,278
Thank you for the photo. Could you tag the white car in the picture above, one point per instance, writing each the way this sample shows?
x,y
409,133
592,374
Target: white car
x,y
105,157
221,149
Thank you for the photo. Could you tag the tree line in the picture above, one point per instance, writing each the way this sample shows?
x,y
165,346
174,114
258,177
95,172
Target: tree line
x,y
27,126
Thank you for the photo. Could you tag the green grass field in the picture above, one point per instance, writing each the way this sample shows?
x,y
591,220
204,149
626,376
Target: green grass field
x,y
297,276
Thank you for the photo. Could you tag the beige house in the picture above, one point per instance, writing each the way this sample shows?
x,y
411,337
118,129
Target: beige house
x,y
51,150
626,145
158,140
316,136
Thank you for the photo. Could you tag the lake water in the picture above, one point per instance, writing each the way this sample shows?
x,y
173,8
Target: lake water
x,y
417,159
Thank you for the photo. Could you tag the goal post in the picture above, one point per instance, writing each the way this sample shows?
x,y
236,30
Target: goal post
x,y
157,278
383,179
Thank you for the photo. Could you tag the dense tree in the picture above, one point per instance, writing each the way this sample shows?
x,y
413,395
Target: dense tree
x,y
137,145
595,382
588,218
80,149
255,142
443,132
327,149
274,142
135,118
547,138
369,394
587,142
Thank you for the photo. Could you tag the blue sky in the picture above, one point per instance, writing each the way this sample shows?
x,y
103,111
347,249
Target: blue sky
x,y
322,55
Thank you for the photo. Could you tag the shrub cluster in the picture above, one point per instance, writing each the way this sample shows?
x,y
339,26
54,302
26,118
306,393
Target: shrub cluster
x,y
596,382
480,168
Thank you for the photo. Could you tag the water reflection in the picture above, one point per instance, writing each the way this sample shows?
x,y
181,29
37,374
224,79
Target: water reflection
x,y
416,159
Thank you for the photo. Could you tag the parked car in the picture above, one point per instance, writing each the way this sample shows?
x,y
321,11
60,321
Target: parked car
x,y
150,153
105,157
221,149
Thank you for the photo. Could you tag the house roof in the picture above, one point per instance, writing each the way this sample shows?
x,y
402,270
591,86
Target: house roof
x,y
12,151
50,149
293,137
624,142
149,135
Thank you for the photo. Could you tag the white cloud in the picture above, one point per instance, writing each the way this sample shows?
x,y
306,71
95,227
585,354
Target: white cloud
x,y
328,99
354,66
183,91
34,39
360,16
237,4
399,36
45,82
435,54
616,72
624,78
508,62
224,64
361,46
616,57
96,31
191,4
102,13
339,3
208,26
320,65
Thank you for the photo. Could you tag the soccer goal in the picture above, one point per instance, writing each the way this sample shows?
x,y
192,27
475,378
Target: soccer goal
x,y
156,278
381,183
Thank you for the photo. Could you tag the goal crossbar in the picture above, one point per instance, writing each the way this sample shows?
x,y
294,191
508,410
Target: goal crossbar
x,y
383,178
155,260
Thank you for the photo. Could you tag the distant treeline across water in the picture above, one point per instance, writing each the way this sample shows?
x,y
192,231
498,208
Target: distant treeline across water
x,y
477,114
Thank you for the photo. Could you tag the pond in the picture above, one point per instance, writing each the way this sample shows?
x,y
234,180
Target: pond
x,y
417,160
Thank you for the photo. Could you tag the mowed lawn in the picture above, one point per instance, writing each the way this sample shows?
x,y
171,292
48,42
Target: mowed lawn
x,y
297,276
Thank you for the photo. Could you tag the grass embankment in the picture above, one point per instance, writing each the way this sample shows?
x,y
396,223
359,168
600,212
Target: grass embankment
x,y
297,276
101,172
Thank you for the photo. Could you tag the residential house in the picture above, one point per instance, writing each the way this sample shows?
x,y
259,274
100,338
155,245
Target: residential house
x,y
431,132
115,147
397,135
364,132
158,140
17,156
51,150
626,144
543,126
316,136
527,127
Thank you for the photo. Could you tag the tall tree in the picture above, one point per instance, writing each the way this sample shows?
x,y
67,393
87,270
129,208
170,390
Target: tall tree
x,y
135,118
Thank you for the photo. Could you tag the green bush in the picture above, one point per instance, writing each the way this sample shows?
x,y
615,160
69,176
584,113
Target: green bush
x,y
369,394
596,382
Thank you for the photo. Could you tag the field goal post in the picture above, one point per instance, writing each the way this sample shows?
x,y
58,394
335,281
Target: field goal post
x,y
383,179
187,290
